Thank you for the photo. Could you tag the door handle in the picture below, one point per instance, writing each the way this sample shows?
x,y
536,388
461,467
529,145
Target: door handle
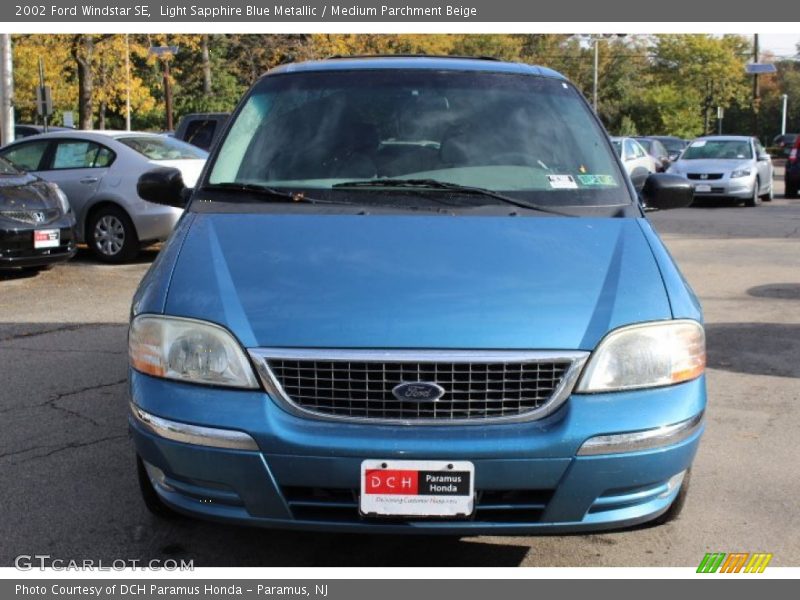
x,y
89,180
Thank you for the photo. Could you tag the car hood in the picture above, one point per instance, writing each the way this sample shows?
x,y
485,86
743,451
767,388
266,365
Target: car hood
x,y
712,165
25,191
190,168
416,281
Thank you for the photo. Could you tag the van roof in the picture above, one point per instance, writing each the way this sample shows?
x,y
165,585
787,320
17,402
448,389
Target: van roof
x,y
446,63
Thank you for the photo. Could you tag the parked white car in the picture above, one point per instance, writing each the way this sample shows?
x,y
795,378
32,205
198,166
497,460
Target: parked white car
x,y
638,163
98,171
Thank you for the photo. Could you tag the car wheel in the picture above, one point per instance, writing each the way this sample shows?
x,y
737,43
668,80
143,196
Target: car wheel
x,y
149,496
770,193
111,236
755,200
675,509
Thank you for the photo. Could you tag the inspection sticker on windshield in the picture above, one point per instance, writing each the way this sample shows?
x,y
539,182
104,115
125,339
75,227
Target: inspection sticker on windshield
x,y
597,180
407,488
562,182
698,143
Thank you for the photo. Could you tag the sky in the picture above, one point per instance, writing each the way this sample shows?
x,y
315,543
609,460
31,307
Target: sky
x,y
782,45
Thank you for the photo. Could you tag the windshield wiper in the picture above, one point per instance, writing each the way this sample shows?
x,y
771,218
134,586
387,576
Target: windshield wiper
x,y
435,184
271,193
296,197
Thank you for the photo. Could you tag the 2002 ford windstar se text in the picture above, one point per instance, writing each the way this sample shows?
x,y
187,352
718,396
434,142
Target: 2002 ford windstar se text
x,y
416,295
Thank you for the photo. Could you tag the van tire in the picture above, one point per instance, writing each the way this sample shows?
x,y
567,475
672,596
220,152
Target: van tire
x,y
675,509
150,497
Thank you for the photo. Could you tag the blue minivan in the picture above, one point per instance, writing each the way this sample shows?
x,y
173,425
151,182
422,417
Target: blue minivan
x,y
416,294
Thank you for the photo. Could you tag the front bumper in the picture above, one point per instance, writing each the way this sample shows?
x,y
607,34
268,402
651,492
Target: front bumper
x,y
17,251
739,188
305,473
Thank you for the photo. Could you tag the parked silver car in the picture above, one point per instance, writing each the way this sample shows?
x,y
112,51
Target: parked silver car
x,y
98,171
727,166
638,163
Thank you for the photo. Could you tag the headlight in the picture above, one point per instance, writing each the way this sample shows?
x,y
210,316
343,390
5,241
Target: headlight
x,y
188,350
63,201
646,355
740,173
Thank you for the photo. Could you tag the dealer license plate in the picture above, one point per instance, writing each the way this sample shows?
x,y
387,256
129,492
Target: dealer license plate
x,y
404,488
46,238
702,188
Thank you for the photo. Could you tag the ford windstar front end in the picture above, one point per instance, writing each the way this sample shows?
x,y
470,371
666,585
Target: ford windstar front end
x,y
416,295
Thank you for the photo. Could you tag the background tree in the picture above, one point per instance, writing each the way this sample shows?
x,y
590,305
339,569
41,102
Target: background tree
x,y
704,72
660,84
59,69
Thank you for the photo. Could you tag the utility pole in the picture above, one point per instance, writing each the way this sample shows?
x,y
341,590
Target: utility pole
x,y
206,58
756,91
6,90
42,94
596,69
165,53
168,95
127,84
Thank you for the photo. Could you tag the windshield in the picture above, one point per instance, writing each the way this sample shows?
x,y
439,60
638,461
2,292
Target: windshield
x,y
673,145
163,148
6,168
732,149
533,137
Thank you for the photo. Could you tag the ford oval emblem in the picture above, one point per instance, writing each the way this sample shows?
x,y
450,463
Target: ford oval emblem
x,y
418,391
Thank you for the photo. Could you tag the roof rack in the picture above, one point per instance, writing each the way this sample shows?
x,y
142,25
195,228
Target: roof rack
x,y
358,56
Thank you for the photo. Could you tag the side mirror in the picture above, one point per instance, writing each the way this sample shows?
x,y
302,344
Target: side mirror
x,y
163,185
764,157
665,191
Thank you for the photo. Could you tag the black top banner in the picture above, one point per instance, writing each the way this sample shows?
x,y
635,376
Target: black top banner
x,y
221,11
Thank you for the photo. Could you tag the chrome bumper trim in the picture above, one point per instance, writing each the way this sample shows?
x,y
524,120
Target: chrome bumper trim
x,y
193,434
635,441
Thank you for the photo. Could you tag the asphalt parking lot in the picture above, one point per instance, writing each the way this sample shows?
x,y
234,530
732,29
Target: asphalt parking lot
x,y
67,466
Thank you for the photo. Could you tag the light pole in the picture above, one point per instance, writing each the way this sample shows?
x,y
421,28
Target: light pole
x,y
6,90
165,53
783,119
127,84
596,70
595,40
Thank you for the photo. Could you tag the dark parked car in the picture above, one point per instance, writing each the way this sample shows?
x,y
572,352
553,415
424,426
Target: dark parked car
x,y
23,131
36,221
674,145
658,151
784,143
201,129
791,176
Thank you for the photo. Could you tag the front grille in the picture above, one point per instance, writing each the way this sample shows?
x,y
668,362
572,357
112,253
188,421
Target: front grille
x,y
478,391
32,217
341,505
704,176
